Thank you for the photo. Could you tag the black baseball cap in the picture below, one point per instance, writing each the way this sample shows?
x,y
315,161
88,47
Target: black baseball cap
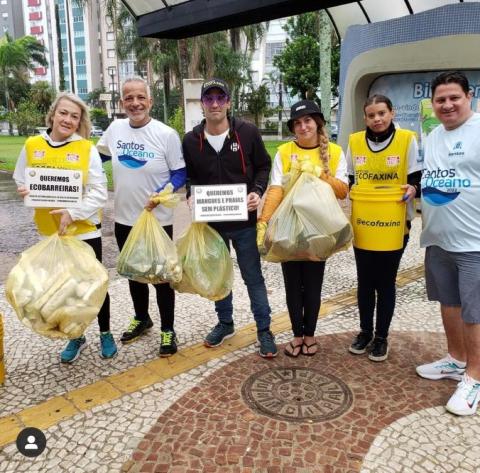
x,y
302,108
215,84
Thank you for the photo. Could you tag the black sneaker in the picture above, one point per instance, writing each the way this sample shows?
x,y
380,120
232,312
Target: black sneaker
x,y
135,329
168,343
360,343
378,350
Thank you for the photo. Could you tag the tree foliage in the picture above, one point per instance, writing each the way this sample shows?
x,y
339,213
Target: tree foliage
x,y
42,95
177,121
17,57
256,101
299,62
27,117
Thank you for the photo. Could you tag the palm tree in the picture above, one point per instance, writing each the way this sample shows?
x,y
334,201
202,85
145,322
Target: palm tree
x,y
17,57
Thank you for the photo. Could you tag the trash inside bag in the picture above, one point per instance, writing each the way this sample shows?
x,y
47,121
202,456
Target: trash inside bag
x,y
309,224
207,268
58,287
149,255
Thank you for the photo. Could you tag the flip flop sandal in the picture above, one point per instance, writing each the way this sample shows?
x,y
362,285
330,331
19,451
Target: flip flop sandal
x,y
307,353
292,353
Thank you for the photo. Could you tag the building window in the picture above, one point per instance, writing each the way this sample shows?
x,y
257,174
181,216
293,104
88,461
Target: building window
x,y
3,2
37,15
77,19
5,15
272,50
36,30
110,36
111,53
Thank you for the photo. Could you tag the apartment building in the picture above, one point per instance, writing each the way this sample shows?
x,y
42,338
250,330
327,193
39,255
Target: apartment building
x,y
11,19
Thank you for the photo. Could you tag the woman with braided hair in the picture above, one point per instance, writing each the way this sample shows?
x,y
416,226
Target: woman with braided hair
x,y
303,279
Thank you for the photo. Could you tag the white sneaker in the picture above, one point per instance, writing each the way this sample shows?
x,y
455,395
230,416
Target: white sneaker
x,y
464,401
441,369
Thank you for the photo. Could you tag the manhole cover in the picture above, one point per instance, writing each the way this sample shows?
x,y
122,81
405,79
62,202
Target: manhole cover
x,y
297,394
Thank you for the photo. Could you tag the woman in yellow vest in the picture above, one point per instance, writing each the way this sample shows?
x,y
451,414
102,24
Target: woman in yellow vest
x,y
66,145
380,155
303,279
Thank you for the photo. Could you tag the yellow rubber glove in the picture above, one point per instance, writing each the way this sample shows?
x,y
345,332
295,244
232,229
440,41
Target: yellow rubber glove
x,y
166,197
261,230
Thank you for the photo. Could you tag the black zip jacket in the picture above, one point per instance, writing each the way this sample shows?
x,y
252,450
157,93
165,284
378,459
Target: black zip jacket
x,y
242,160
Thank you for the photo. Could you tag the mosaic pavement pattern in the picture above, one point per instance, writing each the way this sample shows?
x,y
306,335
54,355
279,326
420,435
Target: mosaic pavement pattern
x,y
401,427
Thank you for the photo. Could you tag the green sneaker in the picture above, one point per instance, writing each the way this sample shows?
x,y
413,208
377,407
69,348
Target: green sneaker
x,y
73,349
135,329
168,343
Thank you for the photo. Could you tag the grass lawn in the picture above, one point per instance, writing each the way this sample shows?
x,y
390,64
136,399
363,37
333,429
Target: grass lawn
x,y
10,147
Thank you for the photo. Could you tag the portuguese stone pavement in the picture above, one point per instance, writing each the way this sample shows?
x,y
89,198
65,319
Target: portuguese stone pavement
x,y
226,409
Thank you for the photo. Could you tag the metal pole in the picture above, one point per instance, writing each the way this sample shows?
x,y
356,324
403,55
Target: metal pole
x,y
113,96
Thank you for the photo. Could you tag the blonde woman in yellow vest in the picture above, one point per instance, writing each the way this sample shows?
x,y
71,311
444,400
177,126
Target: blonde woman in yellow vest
x,y
303,279
65,145
380,155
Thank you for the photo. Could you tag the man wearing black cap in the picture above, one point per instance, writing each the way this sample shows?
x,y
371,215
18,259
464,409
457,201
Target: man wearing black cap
x,y
224,150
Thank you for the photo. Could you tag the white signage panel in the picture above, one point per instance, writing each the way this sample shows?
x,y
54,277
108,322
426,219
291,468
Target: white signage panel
x,y
50,187
220,203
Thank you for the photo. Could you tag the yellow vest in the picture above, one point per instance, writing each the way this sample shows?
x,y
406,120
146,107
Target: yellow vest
x,y
74,155
291,151
387,167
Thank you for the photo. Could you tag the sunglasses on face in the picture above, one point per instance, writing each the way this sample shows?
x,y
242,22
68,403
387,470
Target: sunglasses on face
x,y
209,99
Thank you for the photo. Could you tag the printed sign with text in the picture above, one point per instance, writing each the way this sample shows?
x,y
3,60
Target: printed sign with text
x,y
50,187
220,203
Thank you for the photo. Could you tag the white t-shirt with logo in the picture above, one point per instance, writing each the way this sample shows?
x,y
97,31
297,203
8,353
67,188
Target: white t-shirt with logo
x,y
451,188
142,159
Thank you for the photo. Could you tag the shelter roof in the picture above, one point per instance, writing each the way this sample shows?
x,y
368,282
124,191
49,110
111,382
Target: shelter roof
x,y
185,18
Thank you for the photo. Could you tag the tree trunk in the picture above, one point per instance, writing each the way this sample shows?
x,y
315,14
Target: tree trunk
x,y
194,66
183,59
325,40
166,92
235,39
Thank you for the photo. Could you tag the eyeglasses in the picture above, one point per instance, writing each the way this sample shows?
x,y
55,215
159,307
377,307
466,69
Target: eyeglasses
x,y
209,99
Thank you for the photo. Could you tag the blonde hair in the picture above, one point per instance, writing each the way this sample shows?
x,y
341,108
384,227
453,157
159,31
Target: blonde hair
x,y
85,124
322,141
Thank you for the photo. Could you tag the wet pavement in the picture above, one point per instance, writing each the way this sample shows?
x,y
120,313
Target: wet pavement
x,y
17,237
225,409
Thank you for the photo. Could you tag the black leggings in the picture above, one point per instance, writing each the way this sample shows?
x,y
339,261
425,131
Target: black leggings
x,y
139,291
103,316
303,289
377,274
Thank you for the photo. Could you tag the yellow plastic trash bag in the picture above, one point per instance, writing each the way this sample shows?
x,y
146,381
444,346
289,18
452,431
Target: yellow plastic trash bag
x,y
206,264
166,197
2,359
149,255
58,287
308,225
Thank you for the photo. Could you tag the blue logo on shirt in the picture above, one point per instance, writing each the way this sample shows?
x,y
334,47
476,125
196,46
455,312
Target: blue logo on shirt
x,y
134,155
436,197
442,186
130,162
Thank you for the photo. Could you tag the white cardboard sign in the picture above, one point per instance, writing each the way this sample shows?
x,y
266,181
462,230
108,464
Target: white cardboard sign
x,y
220,203
48,187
